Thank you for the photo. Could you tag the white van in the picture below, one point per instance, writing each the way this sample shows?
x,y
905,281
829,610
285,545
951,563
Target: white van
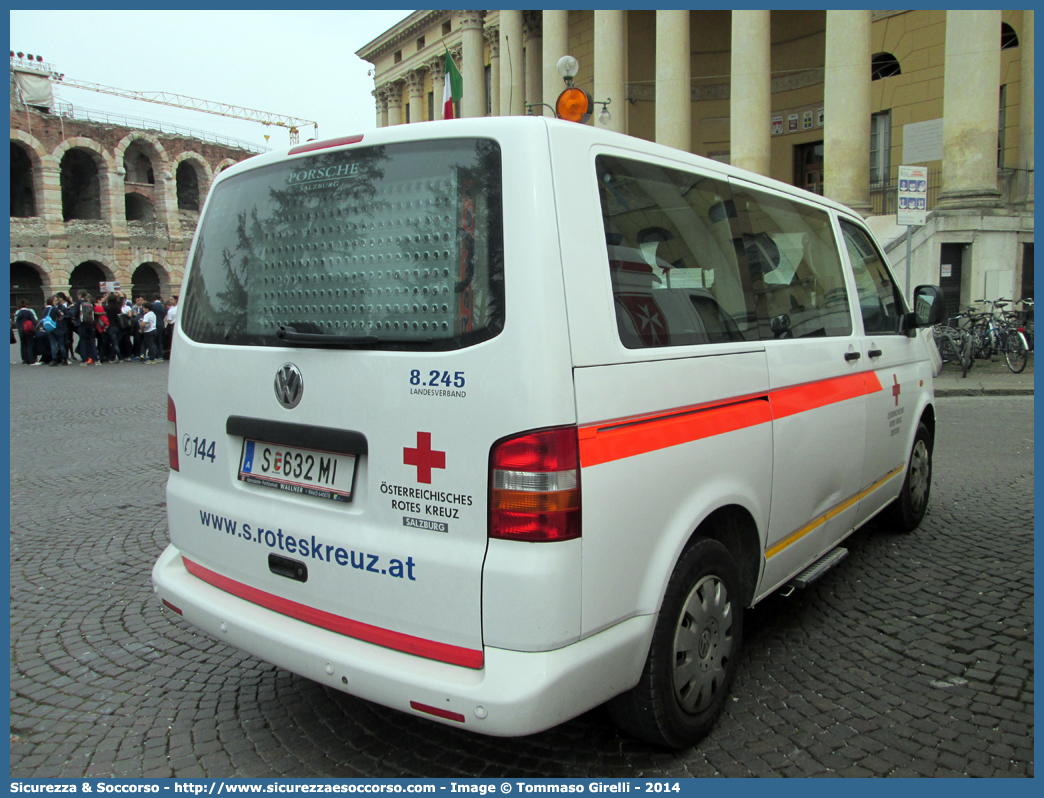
x,y
492,421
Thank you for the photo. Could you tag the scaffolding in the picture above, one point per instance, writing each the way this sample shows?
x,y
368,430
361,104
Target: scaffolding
x,y
40,67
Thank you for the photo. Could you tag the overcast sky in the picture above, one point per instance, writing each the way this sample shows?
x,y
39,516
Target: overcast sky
x,y
296,63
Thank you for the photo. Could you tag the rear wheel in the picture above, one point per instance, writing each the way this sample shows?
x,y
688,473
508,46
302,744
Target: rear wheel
x,y
909,508
962,343
1015,351
693,653
969,352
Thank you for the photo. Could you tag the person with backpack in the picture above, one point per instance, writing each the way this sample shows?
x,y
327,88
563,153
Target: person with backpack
x,y
25,323
69,316
101,329
86,329
55,325
114,315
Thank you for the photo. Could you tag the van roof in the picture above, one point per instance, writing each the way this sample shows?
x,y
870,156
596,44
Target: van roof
x,y
516,125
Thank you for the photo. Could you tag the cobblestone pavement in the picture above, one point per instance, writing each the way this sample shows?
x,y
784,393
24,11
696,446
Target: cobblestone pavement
x,y
914,657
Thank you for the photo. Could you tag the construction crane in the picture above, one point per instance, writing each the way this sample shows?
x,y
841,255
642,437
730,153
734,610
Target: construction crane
x,y
293,124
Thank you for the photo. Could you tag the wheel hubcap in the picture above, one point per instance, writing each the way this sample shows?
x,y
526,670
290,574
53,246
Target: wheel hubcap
x,y
920,475
702,644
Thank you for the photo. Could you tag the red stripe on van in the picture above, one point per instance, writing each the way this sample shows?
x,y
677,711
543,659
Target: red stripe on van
x,y
429,649
603,443
615,440
800,398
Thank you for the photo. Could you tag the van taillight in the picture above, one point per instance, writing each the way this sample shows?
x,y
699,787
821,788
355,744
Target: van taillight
x,y
172,434
535,487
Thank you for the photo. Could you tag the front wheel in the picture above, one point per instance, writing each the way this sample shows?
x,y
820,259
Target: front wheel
x,y
909,508
693,654
1015,351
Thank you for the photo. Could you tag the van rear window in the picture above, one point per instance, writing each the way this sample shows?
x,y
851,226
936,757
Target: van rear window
x,y
397,246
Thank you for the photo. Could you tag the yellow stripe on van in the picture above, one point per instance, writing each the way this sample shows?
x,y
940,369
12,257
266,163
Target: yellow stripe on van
x,y
836,510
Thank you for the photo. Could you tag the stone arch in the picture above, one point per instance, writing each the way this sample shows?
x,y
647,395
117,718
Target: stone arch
x,y
84,195
38,152
84,143
30,280
39,160
24,186
193,176
86,275
203,169
139,207
103,261
165,273
203,175
148,279
150,145
145,168
223,165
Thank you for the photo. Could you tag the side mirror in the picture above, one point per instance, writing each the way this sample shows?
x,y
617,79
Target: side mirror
x,y
928,305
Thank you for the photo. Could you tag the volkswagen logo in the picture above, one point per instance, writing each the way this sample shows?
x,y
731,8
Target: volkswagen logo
x,y
289,386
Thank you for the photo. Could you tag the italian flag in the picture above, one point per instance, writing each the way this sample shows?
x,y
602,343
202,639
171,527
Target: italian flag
x,y
454,88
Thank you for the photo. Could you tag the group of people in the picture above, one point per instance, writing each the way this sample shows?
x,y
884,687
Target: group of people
x,y
110,329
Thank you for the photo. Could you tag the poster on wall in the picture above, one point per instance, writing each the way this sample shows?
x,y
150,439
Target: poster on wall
x,y
913,195
792,123
777,125
806,120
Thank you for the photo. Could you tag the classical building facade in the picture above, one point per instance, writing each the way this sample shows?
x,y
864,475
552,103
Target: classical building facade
x,y
94,202
833,101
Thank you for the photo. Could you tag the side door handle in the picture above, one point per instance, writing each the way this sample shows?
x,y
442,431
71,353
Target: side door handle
x,y
874,353
850,356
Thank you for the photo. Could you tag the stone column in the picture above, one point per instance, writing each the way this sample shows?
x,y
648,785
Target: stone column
x,y
512,79
382,107
473,69
846,98
610,44
750,97
971,88
532,24
493,40
166,202
49,201
394,89
673,80
556,44
1026,112
437,69
113,187
415,89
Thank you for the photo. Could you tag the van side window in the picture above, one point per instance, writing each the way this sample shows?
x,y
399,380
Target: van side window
x,y
795,269
676,275
880,302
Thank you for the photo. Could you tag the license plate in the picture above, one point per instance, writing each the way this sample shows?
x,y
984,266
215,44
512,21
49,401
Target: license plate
x,y
307,472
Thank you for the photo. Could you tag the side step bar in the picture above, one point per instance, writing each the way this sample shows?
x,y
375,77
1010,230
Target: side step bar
x,y
815,570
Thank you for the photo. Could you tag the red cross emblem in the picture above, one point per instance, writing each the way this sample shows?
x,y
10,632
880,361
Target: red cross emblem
x,y
895,389
424,457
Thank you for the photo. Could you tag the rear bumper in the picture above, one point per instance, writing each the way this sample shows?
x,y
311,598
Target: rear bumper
x,y
515,693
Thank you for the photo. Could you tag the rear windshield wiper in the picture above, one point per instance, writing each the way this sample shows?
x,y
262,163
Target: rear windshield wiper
x,y
292,336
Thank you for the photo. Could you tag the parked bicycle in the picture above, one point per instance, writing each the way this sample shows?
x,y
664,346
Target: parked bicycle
x,y
955,344
1000,332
